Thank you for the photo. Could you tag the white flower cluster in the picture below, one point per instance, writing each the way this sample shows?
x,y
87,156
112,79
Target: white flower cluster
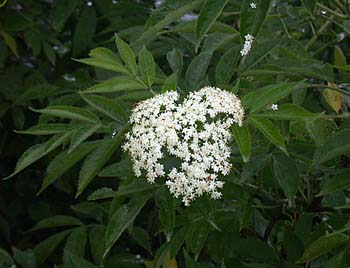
x,y
197,132
247,44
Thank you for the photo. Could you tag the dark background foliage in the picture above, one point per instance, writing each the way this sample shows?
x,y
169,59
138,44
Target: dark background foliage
x,y
285,204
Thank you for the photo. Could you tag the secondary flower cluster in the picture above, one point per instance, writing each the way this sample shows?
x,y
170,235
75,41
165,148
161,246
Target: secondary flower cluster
x,y
197,132
247,44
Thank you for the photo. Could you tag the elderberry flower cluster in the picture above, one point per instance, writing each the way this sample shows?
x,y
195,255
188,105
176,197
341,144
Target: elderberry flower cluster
x,y
247,44
197,132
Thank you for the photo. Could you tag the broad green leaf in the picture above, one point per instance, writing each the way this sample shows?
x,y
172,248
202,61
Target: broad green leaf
x,y
332,97
323,245
288,112
84,31
37,151
196,71
97,159
92,209
116,85
177,240
44,249
242,137
151,33
287,174
75,244
97,242
81,133
147,66
10,42
46,129
319,130
136,186
209,13
226,66
61,11
122,218
101,193
175,59
337,261
310,6
252,20
264,97
70,112
49,52
107,106
196,236
170,84
56,221
25,258
105,59
338,182
121,169
335,145
126,54
215,41
270,131
166,203
74,261
64,161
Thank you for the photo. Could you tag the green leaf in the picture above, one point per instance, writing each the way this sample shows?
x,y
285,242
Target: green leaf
x,y
252,20
166,203
175,59
37,151
177,241
64,161
270,131
84,31
116,85
107,106
196,236
310,5
323,245
189,262
127,55
70,112
56,221
136,186
25,258
142,238
97,242
75,244
196,71
73,261
80,134
242,137
44,249
267,95
289,112
147,66
335,145
338,182
121,169
287,174
122,218
101,193
10,42
5,259
170,84
209,13
337,261
49,52
92,209
46,129
172,16
97,159
226,66
61,11
104,58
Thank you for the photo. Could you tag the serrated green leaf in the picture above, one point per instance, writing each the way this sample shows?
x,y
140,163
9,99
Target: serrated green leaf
x,y
116,85
170,84
122,218
147,66
61,11
226,66
97,242
288,112
101,193
105,63
197,70
175,60
166,203
70,112
127,55
107,106
64,161
56,221
267,95
75,244
196,236
136,186
80,134
10,42
323,245
335,145
270,131
338,182
74,261
121,169
242,137
209,13
46,129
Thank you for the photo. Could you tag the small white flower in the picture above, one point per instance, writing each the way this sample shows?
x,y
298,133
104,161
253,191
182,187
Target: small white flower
x,y
247,44
274,107
253,5
323,12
